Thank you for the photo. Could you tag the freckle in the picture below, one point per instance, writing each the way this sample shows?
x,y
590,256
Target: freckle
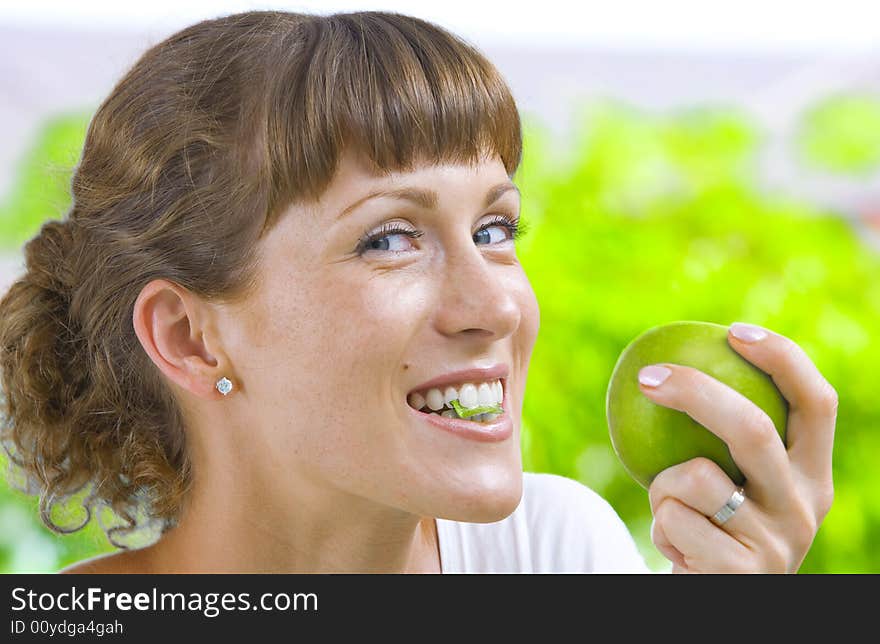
x,y
405,366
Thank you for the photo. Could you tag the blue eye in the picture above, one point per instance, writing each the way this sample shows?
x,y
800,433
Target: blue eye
x,y
379,240
513,226
483,235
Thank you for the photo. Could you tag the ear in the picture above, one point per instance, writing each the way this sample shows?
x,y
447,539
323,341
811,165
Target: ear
x,y
173,326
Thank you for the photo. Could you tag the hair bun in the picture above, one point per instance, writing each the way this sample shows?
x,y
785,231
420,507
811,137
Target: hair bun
x,y
43,371
46,257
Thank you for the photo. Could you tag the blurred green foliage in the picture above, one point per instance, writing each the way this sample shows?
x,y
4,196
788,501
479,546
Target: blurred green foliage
x,y
842,134
636,220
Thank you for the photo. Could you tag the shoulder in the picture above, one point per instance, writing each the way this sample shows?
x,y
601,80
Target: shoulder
x,y
547,494
116,563
571,527
557,506
551,499
560,525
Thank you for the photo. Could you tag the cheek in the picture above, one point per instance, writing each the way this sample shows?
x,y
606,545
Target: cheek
x,y
374,318
340,360
526,334
342,339
530,313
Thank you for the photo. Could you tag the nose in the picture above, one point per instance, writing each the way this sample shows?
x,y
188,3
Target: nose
x,y
477,297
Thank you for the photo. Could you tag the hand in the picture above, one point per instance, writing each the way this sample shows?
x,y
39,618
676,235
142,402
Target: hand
x,y
788,491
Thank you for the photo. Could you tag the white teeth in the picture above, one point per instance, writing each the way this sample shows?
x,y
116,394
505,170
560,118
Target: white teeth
x,y
485,395
468,396
434,398
416,400
449,413
490,417
450,394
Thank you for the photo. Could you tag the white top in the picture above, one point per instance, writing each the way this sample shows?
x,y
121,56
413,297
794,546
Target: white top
x,y
560,525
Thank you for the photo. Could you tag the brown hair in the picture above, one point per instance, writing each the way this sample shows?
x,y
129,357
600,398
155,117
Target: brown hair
x,y
186,164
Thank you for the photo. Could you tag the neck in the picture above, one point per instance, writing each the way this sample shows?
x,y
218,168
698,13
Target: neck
x,y
245,523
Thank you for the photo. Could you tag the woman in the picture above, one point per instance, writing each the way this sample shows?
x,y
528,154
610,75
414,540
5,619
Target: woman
x,y
290,250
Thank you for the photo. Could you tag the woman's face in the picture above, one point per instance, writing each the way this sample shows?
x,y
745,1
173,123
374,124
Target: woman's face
x,y
342,331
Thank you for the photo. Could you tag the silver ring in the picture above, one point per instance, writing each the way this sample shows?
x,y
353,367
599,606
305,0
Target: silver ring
x,y
736,499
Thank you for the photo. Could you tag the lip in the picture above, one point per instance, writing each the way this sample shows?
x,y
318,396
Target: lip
x,y
478,374
498,430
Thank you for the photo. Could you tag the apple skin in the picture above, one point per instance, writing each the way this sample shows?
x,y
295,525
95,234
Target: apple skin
x,y
649,437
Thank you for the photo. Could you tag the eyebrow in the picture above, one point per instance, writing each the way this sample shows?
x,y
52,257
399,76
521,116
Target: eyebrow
x,y
427,198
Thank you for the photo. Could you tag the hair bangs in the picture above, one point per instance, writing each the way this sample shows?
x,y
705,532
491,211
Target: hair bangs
x,y
392,89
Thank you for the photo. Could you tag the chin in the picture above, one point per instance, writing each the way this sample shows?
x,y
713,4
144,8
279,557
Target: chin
x,y
486,497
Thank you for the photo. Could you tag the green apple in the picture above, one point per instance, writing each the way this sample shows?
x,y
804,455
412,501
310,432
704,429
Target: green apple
x,y
649,437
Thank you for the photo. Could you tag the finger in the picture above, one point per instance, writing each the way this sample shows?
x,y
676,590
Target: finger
x,y
705,547
812,400
660,540
747,430
702,485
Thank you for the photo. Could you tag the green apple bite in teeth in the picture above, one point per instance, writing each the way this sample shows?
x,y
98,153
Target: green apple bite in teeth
x,y
474,401
467,412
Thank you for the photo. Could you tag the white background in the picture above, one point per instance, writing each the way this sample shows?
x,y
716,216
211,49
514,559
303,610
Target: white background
x,y
695,25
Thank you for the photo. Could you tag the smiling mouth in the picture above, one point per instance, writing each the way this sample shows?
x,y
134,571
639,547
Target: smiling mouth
x,y
479,401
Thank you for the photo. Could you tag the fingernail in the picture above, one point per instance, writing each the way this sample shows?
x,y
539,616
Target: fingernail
x,y
654,376
747,332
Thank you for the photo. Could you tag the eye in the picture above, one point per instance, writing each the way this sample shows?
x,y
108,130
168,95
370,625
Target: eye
x,y
381,239
501,223
484,234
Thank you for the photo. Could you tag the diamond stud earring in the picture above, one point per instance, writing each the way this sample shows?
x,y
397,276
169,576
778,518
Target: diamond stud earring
x,y
224,385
